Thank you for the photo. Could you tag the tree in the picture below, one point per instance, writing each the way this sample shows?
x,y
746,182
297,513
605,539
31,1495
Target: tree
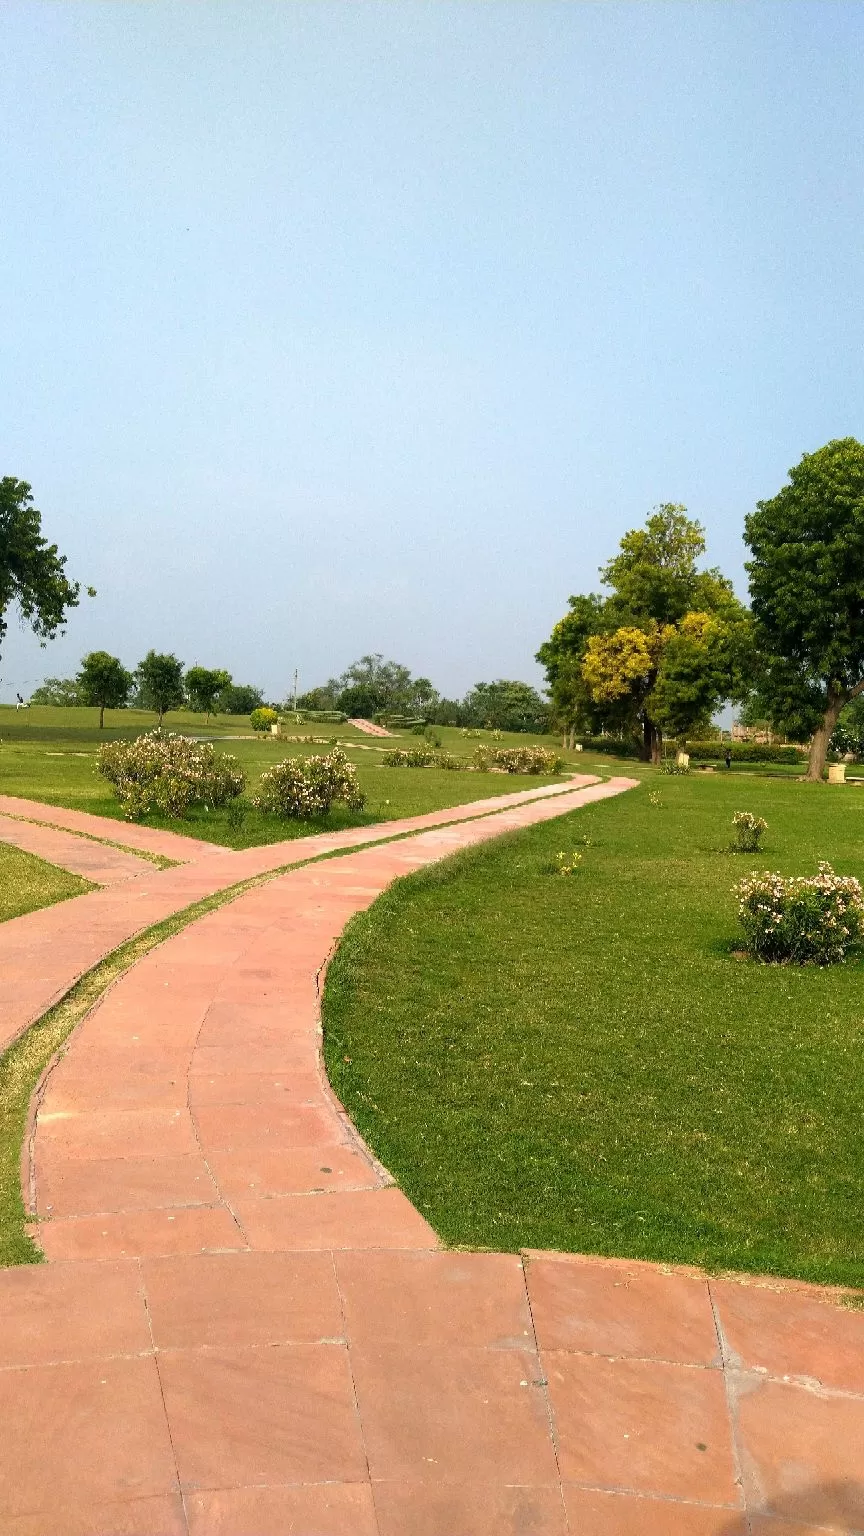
x,y
807,591
62,691
239,699
372,686
506,706
160,682
204,687
667,646
32,573
103,682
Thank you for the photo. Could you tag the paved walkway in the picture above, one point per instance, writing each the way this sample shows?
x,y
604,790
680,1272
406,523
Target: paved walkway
x,y
44,952
245,1328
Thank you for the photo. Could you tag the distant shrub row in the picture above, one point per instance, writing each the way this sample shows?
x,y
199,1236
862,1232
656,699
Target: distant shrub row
x,y
611,744
742,752
420,757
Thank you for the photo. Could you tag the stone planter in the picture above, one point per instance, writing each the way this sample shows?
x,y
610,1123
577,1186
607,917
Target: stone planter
x,y
836,773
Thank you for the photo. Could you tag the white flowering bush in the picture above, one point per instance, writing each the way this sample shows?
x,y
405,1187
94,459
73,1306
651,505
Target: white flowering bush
x,y
305,787
749,831
409,757
420,757
518,759
167,773
809,921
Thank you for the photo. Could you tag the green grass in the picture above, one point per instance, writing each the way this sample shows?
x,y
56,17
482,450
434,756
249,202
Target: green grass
x,y
27,883
49,754
583,1064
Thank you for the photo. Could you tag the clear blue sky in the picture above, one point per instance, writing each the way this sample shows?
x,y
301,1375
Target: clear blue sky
x,y
330,328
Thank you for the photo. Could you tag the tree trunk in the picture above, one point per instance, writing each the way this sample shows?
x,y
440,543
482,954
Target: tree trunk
x,y
652,742
822,735
101,717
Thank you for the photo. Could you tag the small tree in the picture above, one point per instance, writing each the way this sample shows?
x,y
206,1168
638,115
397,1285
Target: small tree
x,y
32,573
807,590
204,687
239,699
160,679
103,682
62,691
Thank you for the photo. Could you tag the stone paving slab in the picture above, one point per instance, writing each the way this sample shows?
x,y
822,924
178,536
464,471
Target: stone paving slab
x,y
82,856
262,1335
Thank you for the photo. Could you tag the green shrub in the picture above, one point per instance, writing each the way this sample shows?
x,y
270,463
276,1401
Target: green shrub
x,y
741,752
679,770
167,773
813,921
518,759
408,757
617,747
263,718
749,831
305,787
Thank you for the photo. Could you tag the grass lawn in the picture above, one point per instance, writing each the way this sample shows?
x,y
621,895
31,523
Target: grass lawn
x,y
49,754
582,1064
27,883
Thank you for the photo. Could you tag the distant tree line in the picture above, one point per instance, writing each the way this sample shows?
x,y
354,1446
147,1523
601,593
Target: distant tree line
x,y
373,687
159,682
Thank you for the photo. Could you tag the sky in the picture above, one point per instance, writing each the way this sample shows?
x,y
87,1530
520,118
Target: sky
x,y
337,328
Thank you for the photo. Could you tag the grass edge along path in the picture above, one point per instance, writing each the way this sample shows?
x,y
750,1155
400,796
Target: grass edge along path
x,y
31,883
582,1064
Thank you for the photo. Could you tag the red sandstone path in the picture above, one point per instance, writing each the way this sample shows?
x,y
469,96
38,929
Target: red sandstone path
x,y
245,1328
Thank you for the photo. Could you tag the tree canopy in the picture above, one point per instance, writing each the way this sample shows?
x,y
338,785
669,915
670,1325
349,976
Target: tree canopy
x,y
807,592
59,691
204,686
506,706
662,650
160,682
32,571
104,682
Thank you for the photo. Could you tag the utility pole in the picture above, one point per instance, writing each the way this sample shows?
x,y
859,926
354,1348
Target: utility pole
x,y
295,690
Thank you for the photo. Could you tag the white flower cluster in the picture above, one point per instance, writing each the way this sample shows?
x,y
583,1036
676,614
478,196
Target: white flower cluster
x,y
167,773
811,920
304,788
748,831
518,760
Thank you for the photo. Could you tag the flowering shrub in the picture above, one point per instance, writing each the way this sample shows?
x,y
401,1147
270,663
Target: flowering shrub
x,y
655,798
305,787
518,759
408,757
167,773
813,921
748,832
679,769
420,757
261,719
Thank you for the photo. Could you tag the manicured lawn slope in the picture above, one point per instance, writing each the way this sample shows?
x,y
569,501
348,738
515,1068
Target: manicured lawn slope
x,y
581,1063
27,883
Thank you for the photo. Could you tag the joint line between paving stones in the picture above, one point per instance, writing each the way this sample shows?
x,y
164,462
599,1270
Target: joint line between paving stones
x,y
146,1301
731,1401
544,1385
354,1396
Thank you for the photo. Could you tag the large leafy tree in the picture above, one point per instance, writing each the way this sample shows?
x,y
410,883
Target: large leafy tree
x,y
807,592
103,682
659,653
506,705
160,682
204,686
32,572
239,699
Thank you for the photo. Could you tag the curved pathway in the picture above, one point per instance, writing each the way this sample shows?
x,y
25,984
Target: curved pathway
x,y
246,1328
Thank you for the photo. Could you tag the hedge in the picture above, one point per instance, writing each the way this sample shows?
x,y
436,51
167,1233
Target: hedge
x,y
626,747
742,752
